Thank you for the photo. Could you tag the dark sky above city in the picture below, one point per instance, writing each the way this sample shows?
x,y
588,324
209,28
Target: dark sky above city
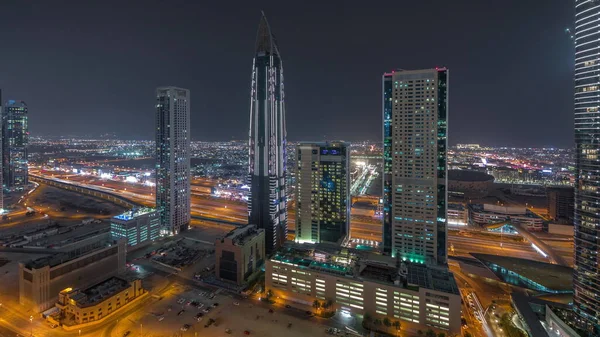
x,y
91,67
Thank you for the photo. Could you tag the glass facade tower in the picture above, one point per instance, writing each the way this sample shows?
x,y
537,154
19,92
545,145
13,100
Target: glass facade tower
x,y
173,159
586,302
322,192
415,108
15,138
267,201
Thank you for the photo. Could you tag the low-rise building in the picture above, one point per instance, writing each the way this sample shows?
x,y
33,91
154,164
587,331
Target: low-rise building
x,y
98,301
458,214
92,259
240,253
484,214
360,283
137,226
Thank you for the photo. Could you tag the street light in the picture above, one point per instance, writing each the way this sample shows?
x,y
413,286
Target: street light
x,y
31,321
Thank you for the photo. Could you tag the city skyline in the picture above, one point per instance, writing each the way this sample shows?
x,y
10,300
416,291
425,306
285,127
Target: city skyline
x,y
221,112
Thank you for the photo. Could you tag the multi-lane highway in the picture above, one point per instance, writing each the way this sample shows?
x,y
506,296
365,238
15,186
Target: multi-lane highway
x,y
362,227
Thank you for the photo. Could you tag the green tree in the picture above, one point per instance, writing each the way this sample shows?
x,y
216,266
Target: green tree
x,y
377,321
328,304
269,294
430,333
467,334
387,322
316,304
397,325
441,334
420,332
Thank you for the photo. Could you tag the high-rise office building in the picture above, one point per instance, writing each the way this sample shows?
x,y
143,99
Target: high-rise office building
x,y
586,302
173,159
267,201
415,108
561,203
1,161
15,137
322,192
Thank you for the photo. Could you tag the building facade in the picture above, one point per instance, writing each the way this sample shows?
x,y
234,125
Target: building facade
x,y
267,200
322,192
586,302
173,159
485,214
561,203
98,301
415,110
240,254
137,226
42,279
416,294
15,138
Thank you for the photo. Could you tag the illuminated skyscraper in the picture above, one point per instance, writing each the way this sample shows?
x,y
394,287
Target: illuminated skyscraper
x,y
15,138
415,108
267,156
586,278
173,159
1,162
322,192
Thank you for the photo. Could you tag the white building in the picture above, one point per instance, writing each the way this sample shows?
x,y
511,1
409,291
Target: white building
x,y
485,214
137,226
173,159
415,109
419,296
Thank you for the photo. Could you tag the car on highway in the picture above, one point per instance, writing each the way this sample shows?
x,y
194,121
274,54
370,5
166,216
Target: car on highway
x,y
181,301
185,327
161,318
236,303
180,312
207,309
216,304
127,333
288,306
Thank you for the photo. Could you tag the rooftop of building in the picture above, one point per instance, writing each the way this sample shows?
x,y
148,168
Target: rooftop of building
x,y
99,292
329,143
241,235
133,213
468,175
71,235
353,263
63,256
502,210
456,206
546,277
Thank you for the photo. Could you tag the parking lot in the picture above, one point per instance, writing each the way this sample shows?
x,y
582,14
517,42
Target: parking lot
x,y
231,317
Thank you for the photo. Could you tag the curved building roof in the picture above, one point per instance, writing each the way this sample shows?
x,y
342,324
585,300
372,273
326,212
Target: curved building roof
x,y
466,175
534,275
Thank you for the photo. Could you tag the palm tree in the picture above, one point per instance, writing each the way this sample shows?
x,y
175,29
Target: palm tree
x,y
387,322
367,318
397,325
328,304
316,304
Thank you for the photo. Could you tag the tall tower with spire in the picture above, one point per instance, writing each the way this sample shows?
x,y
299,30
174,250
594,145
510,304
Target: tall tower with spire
x,y
267,202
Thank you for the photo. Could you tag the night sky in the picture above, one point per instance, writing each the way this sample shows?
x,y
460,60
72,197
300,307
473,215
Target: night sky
x,y
91,67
